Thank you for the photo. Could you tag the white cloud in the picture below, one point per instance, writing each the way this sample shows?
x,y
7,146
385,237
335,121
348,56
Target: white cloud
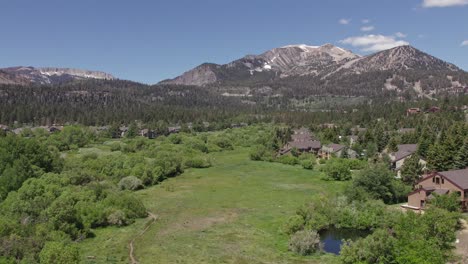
x,y
373,43
369,28
365,21
444,3
400,35
464,43
344,21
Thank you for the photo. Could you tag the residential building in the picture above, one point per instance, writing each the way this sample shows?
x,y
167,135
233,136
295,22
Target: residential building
x,y
404,152
439,183
302,140
336,150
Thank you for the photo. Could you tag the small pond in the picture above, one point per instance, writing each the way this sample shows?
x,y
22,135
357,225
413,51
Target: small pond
x,y
332,238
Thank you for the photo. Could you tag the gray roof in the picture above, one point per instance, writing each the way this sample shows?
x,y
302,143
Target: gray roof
x,y
459,177
307,144
408,147
404,151
335,147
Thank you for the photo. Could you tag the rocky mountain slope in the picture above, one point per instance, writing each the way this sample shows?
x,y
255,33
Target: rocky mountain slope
x,y
327,69
292,60
27,75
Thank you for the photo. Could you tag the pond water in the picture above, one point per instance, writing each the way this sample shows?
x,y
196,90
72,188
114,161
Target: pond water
x,y
332,238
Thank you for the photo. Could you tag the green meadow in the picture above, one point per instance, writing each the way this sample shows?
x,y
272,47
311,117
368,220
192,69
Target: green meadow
x,y
232,212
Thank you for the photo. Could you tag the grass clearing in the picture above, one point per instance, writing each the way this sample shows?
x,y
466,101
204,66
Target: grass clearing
x,y
229,213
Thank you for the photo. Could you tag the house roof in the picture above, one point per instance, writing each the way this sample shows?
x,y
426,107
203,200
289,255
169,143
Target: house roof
x,y
309,144
404,151
457,177
437,191
335,147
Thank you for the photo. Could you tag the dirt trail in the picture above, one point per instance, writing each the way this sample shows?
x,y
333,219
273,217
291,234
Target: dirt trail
x,y
462,242
152,219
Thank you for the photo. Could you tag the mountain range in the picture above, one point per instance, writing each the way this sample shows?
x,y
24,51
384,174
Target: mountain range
x,y
329,69
47,75
296,71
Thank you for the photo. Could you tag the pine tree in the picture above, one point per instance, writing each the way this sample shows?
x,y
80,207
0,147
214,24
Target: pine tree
x,y
461,161
393,145
411,170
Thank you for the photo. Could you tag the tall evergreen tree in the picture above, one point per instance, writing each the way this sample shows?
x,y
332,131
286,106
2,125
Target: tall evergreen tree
x,y
411,170
461,161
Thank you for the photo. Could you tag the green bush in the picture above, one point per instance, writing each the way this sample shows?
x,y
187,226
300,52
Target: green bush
x,y
258,153
289,160
197,162
305,242
308,164
115,146
295,223
117,218
59,253
131,183
337,169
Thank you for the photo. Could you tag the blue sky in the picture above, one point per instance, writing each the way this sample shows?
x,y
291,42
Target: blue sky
x,y
148,41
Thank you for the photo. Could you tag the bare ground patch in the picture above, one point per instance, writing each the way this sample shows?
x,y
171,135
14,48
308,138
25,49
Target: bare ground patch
x,y
199,223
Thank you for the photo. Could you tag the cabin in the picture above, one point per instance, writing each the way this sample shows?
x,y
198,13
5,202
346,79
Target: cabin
x,y
406,130
174,129
148,133
335,150
439,183
123,131
398,158
302,140
4,128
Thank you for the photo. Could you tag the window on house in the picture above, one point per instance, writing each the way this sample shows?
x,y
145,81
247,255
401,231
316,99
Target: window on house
x,y
442,180
437,180
433,179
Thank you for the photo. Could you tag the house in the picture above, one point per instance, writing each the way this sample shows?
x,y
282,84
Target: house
x,y
174,129
303,141
413,111
404,152
123,131
353,140
151,134
53,129
406,130
440,183
328,125
331,150
359,130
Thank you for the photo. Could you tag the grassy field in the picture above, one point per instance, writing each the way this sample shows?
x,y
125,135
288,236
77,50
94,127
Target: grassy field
x,y
229,213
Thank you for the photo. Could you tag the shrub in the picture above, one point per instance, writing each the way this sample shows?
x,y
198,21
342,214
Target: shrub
x,y
289,160
117,218
115,146
305,242
307,164
294,224
130,183
59,253
223,143
197,162
337,169
258,153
